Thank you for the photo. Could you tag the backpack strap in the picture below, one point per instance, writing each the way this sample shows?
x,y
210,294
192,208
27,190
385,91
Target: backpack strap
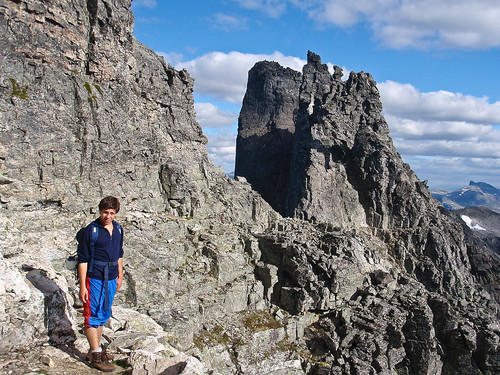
x,y
106,279
119,227
93,238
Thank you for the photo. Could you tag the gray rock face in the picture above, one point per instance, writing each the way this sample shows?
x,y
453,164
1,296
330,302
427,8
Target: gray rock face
x,y
341,166
216,281
482,228
20,306
484,223
74,75
86,111
373,316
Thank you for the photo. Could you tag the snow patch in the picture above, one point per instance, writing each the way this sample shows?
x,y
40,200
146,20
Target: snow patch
x,y
471,224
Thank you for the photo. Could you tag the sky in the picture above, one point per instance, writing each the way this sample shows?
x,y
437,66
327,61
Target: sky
x,y
436,64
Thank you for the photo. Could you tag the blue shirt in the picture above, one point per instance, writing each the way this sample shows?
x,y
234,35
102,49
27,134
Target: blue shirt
x,y
107,248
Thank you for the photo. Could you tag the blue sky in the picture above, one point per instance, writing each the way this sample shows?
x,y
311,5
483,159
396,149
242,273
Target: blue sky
x,y
436,63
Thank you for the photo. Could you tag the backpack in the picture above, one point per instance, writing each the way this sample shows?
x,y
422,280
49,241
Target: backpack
x,y
72,261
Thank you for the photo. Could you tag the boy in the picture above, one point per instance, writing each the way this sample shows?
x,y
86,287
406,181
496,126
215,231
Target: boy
x,y
100,273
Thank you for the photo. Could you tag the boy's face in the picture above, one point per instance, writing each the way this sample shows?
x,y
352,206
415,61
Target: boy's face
x,y
107,216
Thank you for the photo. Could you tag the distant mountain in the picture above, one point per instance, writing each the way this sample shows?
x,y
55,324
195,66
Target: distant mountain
x,y
475,194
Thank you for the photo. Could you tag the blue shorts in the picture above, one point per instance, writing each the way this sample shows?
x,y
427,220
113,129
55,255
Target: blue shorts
x,y
93,311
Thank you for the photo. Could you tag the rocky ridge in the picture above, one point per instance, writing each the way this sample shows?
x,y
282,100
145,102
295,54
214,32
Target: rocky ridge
x,y
216,281
345,171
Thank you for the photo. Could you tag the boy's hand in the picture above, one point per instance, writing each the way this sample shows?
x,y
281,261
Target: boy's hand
x,y
84,295
119,282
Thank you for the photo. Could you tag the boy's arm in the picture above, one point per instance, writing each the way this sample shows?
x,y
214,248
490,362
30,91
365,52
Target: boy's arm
x,y
119,280
82,277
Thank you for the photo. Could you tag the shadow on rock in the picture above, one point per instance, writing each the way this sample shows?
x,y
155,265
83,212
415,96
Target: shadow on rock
x,y
176,369
56,309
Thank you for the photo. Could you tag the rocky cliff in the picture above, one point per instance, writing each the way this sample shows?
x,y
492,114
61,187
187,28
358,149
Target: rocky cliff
x,y
342,170
85,111
216,281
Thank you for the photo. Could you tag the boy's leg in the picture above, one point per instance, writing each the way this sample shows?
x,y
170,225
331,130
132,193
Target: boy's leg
x,y
95,316
94,337
105,355
98,359
92,311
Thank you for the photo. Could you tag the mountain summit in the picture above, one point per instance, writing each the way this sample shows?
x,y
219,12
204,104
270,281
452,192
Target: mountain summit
x,y
318,148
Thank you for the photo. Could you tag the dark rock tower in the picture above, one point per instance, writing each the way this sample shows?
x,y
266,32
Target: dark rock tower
x,y
266,130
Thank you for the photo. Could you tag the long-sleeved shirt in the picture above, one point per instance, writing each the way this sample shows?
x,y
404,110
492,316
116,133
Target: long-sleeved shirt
x,y
107,248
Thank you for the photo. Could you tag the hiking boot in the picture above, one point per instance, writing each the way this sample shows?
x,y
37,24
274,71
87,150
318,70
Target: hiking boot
x,y
100,364
105,355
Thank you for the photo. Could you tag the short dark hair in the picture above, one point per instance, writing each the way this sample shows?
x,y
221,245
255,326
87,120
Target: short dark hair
x,y
109,202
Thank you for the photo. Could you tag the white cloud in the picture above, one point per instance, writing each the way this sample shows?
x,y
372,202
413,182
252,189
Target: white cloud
x,y
440,123
449,148
223,76
404,100
417,23
454,172
228,23
343,13
273,8
444,136
222,149
410,129
144,3
211,116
